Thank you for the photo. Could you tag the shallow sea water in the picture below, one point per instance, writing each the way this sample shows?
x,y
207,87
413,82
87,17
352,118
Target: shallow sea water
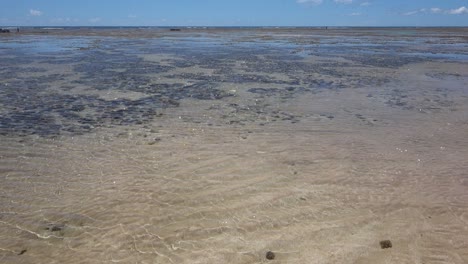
x,y
205,146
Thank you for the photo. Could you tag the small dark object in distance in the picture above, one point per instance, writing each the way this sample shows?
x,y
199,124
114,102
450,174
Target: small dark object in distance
x,y
55,227
4,30
270,255
22,252
385,244
175,29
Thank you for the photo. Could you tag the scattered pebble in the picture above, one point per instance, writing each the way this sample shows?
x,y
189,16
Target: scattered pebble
x,y
270,255
384,244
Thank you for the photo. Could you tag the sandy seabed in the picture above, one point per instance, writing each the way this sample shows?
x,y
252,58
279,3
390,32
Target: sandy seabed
x,y
205,146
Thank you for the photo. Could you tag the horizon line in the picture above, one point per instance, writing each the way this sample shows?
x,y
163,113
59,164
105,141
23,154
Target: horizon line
x,y
201,26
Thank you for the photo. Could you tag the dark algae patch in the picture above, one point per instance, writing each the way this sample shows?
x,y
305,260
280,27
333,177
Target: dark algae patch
x,y
53,114
57,87
384,244
34,102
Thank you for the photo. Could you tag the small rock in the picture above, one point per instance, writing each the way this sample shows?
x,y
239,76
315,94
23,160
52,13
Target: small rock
x,y
270,255
55,227
22,252
156,140
385,244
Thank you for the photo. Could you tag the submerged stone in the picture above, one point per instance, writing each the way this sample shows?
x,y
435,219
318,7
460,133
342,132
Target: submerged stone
x,y
270,255
55,227
384,244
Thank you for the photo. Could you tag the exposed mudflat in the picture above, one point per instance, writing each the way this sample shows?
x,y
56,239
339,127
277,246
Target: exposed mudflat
x,y
234,146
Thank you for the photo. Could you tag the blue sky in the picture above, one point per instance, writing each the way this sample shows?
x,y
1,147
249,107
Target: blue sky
x,y
234,13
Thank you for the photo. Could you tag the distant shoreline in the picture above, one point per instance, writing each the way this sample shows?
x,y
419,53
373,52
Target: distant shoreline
x,y
276,32
231,27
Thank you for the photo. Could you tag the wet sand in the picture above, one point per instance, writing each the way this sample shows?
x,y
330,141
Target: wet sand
x,y
218,147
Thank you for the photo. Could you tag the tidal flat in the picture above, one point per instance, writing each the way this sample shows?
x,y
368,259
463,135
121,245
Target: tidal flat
x,y
234,145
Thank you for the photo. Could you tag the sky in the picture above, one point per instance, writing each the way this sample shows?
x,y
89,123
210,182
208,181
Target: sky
x,y
234,13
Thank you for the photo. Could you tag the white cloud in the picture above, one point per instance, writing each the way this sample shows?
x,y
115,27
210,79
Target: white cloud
x,y
410,13
94,20
314,2
422,10
355,14
436,10
132,16
34,12
343,1
458,11
365,4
